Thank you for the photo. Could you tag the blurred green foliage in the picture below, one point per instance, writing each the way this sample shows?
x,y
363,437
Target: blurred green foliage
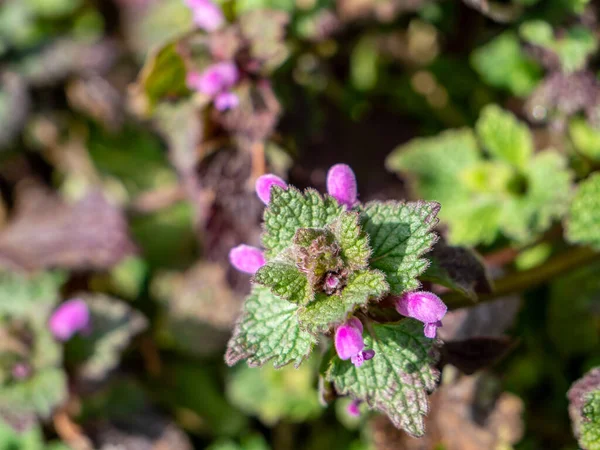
x,y
493,109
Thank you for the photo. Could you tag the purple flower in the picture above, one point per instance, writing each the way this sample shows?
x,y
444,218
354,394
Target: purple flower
x,y
246,258
226,100
354,408
215,79
424,306
341,185
349,343
207,15
263,186
69,318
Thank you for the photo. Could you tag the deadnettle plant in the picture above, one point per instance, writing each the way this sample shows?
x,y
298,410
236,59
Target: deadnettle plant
x,y
327,261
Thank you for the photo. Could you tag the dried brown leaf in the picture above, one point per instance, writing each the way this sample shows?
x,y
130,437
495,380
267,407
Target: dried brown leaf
x,y
47,232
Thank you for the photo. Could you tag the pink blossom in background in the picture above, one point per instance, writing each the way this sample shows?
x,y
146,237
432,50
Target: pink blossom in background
x,y
207,15
226,100
215,79
69,318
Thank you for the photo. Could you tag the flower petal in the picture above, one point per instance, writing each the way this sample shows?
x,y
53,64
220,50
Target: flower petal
x,y
341,184
246,258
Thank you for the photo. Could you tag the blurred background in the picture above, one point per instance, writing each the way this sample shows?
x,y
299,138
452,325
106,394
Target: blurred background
x,y
123,185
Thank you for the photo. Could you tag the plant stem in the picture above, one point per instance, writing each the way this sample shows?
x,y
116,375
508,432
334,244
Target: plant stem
x,y
522,281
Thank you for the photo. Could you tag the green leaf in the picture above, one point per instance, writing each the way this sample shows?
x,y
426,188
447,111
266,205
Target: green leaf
x,y
268,330
573,48
353,242
433,165
39,394
584,409
396,381
276,394
330,310
504,64
400,233
475,222
28,295
286,281
114,324
583,221
586,138
590,426
163,75
291,209
504,137
537,32
545,197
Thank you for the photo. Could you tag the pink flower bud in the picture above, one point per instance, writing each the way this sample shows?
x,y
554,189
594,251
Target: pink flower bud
x,y
341,185
215,78
246,258
349,343
424,306
354,408
226,100
263,186
69,318
332,282
207,15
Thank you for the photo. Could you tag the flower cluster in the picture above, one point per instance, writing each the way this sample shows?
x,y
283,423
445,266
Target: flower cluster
x,y
348,340
217,80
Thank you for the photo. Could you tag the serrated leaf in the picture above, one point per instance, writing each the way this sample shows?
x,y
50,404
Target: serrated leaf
x,y
354,244
114,324
305,236
286,281
396,381
504,137
39,394
291,209
583,221
590,426
330,310
268,330
400,233
584,409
